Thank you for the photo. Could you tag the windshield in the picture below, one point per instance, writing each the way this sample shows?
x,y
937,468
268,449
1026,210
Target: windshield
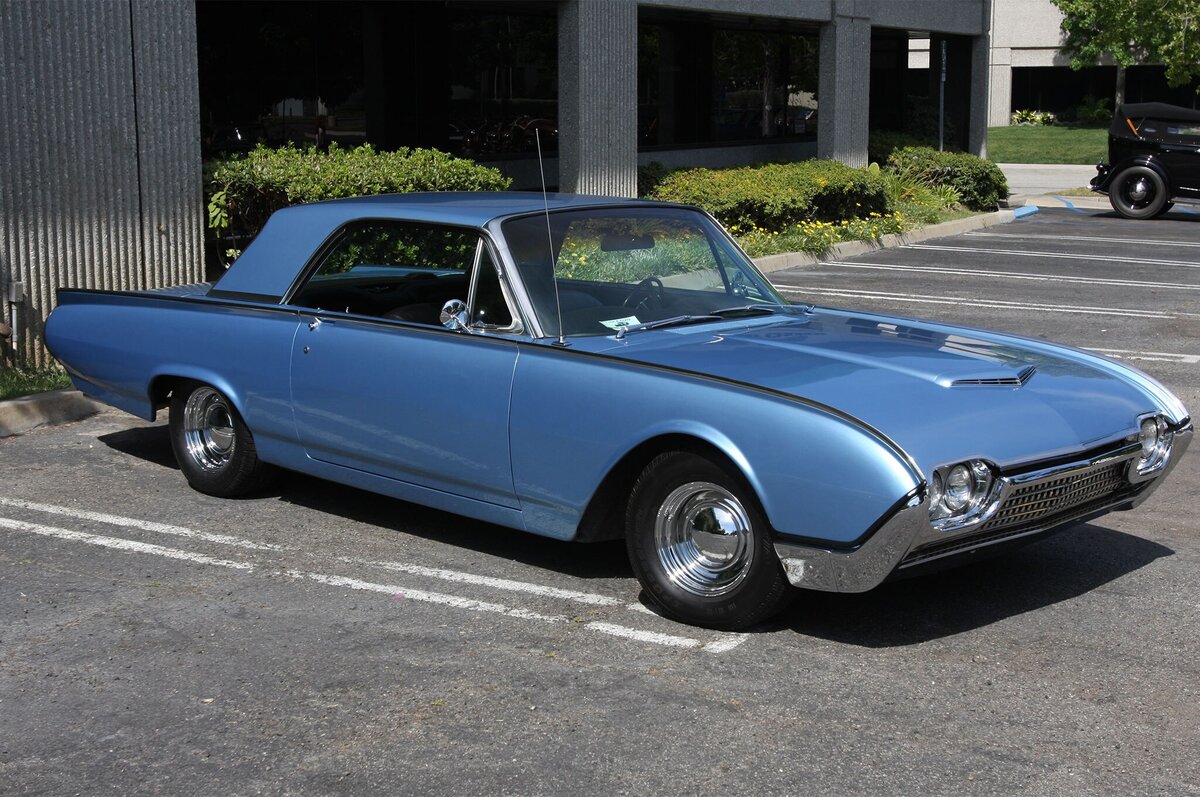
x,y
625,267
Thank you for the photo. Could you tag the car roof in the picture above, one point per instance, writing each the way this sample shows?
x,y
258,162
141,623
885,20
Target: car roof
x,y
270,264
466,208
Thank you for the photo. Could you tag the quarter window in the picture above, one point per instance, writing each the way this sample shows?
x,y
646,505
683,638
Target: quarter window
x,y
403,271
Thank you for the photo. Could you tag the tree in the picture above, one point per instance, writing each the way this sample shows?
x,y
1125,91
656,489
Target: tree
x,y
1132,32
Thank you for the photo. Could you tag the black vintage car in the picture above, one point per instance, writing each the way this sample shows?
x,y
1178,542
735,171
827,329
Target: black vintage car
x,y
1153,159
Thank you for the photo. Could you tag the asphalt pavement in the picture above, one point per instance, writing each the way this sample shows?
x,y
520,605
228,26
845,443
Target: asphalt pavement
x,y
321,640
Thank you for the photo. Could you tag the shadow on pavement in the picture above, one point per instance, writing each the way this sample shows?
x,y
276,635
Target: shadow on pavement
x,y
150,443
906,612
1059,568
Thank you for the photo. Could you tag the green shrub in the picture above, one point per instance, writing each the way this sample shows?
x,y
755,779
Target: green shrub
x,y
649,176
1028,117
979,183
243,191
776,195
882,142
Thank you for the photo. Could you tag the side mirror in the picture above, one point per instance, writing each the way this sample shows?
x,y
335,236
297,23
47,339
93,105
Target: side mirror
x,y
454,314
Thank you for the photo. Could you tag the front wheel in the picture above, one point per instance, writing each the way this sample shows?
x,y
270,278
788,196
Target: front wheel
x,y
212,444
700,544
1138,193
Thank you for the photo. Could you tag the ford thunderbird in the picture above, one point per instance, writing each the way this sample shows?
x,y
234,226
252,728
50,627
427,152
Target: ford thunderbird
x,y
588,369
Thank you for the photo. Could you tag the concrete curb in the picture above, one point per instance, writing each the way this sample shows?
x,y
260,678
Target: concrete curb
x,y
771,263
21,415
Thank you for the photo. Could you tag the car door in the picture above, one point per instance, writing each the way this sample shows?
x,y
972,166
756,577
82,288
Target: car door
x,y
1179,152
379,385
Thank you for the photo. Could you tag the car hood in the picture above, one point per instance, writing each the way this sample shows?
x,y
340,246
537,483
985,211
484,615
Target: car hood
x,y
944,394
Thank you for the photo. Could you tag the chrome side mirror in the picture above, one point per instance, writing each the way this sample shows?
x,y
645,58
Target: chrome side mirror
x,y
454,315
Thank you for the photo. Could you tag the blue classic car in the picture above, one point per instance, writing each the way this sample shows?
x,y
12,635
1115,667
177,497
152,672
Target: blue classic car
x,y
585,368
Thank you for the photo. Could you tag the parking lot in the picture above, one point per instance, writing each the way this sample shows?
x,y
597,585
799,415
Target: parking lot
x,y
318,639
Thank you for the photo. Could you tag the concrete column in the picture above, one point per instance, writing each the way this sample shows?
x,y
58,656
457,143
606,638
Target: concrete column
x,y
597,97
980,103
844,89
1000,91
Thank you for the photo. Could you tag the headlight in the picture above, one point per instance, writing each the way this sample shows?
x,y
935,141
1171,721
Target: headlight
x,y
961,493
1156,444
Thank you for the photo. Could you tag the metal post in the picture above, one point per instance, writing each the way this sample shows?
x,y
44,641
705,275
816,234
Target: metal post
x,y
942,102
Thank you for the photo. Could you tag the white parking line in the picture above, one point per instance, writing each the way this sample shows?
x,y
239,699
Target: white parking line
x,y
120,544
1120,261
488,581
722,644
407,593
992,304
1090,238
1156,356
134,523
644,636
1014,275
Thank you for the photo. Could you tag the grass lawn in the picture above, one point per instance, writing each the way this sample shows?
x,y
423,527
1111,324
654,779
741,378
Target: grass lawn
x,y
1044,144
23,381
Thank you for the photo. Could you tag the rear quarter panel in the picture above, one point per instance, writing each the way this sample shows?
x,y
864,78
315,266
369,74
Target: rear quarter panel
x,y
115,345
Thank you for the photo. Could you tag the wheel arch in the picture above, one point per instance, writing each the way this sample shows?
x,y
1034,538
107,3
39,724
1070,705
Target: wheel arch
x,y
167,379
604,516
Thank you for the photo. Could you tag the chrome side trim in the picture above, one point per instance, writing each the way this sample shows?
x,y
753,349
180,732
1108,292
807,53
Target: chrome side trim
x,y
812,567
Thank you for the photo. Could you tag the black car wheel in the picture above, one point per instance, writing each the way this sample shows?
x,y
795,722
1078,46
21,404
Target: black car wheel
x,y
212,444
701,546
1138,192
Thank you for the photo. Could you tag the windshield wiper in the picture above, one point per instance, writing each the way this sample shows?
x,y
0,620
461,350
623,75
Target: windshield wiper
x,y
673,321
762,309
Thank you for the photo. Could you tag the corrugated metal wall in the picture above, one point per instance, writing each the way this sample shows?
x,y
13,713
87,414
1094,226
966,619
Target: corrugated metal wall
x,y
99,152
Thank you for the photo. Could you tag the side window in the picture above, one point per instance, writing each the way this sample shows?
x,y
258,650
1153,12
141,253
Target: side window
x,y
389,269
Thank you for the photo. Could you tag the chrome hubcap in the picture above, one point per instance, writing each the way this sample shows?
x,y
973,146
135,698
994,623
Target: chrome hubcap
x,y
208,429
1139,190
704,539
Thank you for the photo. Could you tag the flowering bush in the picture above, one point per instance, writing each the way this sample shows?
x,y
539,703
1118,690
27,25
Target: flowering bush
x,y
817,236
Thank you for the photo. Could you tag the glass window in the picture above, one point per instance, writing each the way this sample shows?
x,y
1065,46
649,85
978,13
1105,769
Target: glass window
x,y
405,272
617,268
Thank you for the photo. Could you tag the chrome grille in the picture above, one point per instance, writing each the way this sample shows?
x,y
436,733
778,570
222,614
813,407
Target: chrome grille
x,y
1034,502
1039,506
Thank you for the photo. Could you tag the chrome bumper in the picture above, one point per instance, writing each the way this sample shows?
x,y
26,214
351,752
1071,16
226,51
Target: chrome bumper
x,y
813,567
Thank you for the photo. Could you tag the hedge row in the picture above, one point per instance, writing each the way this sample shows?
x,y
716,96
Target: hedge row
x,y
776,195
980,183
244,190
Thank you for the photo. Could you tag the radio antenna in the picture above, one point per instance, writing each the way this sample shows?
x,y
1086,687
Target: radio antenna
x,y
562,340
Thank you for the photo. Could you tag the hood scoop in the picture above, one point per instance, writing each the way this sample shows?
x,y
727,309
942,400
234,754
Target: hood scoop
x,y
1009,380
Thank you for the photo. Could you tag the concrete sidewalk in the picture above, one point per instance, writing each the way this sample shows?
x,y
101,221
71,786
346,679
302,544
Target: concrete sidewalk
x,y
1045,178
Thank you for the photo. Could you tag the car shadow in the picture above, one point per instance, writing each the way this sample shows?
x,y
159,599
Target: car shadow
x,y
904,612
593,560
149,443
1066,565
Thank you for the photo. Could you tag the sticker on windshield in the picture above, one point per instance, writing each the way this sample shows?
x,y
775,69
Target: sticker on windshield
x,y
620,323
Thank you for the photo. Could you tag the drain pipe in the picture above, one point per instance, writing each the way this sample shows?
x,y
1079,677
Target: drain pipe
x,y
16,296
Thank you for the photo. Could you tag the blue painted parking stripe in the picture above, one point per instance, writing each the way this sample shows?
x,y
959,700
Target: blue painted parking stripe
x,y
1070,205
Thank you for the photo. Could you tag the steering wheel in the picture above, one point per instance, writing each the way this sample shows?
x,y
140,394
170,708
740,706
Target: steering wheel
x,y
646,294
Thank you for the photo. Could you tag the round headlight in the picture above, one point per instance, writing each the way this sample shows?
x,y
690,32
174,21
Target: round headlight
x,y
959,483
1148,437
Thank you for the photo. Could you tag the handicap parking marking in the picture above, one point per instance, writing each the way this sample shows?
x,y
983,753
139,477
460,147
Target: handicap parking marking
x,y
718,644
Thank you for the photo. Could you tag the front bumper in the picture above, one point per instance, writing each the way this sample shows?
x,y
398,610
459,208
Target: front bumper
x,y
1101,180
907,539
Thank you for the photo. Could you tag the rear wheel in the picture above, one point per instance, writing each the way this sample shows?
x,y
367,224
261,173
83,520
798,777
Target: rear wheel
x,y
700,544
1138,192
212,444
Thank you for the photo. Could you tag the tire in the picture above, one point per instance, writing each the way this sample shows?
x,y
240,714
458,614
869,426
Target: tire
x,y
728,581
1166,208
212,444
1138,192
